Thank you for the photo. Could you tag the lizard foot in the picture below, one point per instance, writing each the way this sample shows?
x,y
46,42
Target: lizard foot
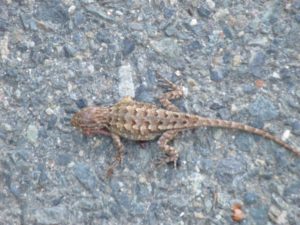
x,y
170,160
112,167
165,83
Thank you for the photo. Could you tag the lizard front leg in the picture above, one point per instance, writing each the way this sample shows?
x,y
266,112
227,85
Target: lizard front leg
x,y
175,92
119,156
171,152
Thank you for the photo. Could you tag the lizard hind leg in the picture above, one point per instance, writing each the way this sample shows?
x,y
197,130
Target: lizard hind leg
x,y
171,153
174,92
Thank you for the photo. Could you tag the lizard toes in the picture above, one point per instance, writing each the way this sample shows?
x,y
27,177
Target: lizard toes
x,y
176,163
170,160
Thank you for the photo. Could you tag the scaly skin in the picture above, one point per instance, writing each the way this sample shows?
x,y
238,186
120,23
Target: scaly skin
x,y
143,121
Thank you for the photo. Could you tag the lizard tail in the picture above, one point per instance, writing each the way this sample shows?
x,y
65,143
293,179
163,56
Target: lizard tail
x,y
246,128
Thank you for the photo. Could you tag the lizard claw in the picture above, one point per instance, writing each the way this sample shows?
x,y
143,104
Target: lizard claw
x,y
163,82
166,84
167,160
115,163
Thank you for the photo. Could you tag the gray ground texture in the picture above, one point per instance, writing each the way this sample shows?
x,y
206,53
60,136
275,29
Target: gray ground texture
x,y
237,60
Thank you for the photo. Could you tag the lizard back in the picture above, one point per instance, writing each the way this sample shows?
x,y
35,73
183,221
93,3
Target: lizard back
x,y
142,121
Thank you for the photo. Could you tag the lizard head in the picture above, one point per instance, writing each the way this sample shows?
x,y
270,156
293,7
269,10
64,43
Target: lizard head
x,y
91,119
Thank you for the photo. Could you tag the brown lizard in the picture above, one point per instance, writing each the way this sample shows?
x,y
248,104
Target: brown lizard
x,y
143,122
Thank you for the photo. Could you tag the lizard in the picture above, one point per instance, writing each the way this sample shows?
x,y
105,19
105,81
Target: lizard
x,y
142,121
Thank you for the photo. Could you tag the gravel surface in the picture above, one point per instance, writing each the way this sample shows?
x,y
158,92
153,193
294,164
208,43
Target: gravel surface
x,y
237,61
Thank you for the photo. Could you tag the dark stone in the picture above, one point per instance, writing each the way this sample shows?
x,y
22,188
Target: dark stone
x,y
116,210
207,166
138,209
295,5
229,168
37,39
257,123
244,142
52,121
293,103
227,31
50,215
38,56
194,46
63,159
282,162
292,192
15,191
217,74
168,13
103,36
57,201
99,12
70,110
179,201
79,39
259,214
69,51
3,134
4,25
263,109
171,31
43,132
267,175
216,106
204,11
81,103
296,127
124,200
224,114
11,73
292,38
297,18
142,191
257,63
128,46
285,73
79,18
151,77
142,94
249,89
250,198
227,57
51,11
85,177
22,47
42,177
28,22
